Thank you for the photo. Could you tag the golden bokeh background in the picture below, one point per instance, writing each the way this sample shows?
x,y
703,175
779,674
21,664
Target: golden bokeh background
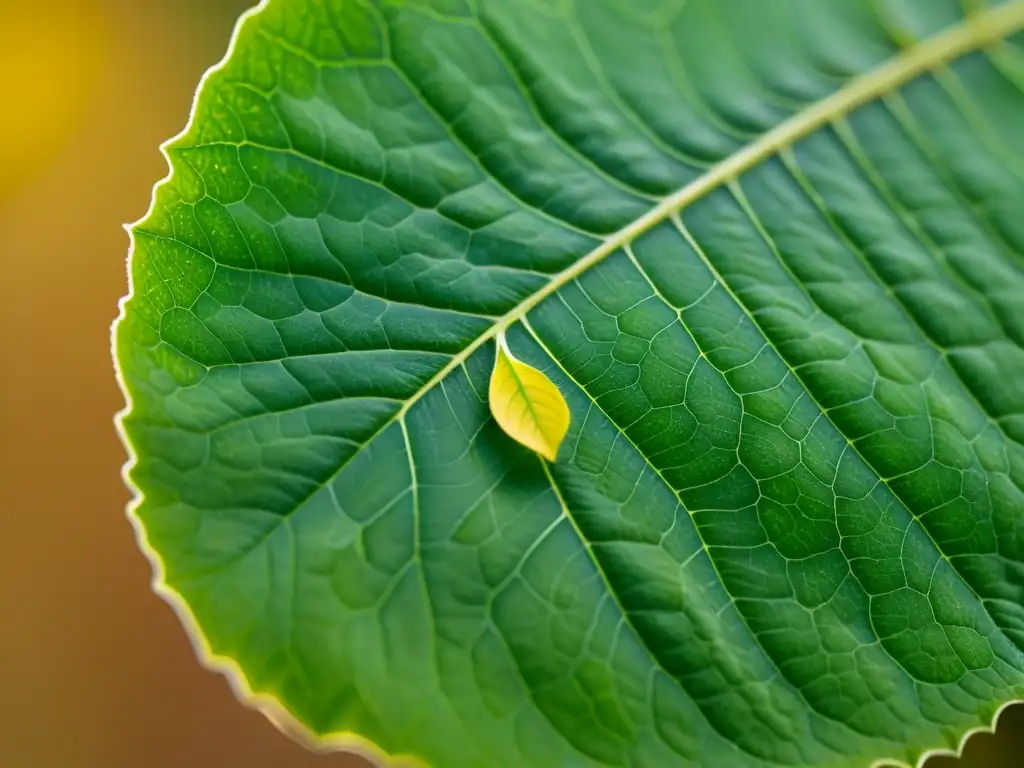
x,y
95,671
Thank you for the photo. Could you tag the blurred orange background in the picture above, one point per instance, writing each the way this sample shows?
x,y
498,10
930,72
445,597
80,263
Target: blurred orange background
x,y
95,670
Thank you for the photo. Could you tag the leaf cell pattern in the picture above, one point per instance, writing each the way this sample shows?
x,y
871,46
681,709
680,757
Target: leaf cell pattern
x,y
785,525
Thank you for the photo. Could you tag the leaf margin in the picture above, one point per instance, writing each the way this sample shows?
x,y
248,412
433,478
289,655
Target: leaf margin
x,y
266,704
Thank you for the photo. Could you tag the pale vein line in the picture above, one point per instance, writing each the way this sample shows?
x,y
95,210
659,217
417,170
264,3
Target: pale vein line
x,y
850,444
625,616
977,214
417,512
871,270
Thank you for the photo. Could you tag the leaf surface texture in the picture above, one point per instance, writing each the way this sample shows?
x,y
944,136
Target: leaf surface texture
x,y
772,255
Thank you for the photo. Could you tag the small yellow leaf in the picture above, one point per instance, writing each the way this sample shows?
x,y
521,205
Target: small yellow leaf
x,y
527,404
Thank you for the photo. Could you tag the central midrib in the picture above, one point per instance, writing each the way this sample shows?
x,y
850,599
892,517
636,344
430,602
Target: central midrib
x,y
973,33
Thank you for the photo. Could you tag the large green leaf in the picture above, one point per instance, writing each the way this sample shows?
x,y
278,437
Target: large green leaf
x,y
771,252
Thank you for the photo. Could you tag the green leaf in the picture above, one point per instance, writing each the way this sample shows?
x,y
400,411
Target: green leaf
x,y
771,253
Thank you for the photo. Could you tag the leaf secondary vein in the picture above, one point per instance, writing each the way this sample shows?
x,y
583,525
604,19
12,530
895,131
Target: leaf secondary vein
x,y
704,548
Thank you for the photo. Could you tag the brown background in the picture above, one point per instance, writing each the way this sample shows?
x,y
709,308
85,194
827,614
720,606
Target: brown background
x,y
95,670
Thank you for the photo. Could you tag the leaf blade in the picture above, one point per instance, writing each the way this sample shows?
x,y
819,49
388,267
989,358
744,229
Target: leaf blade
x,y
447,439
526,404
